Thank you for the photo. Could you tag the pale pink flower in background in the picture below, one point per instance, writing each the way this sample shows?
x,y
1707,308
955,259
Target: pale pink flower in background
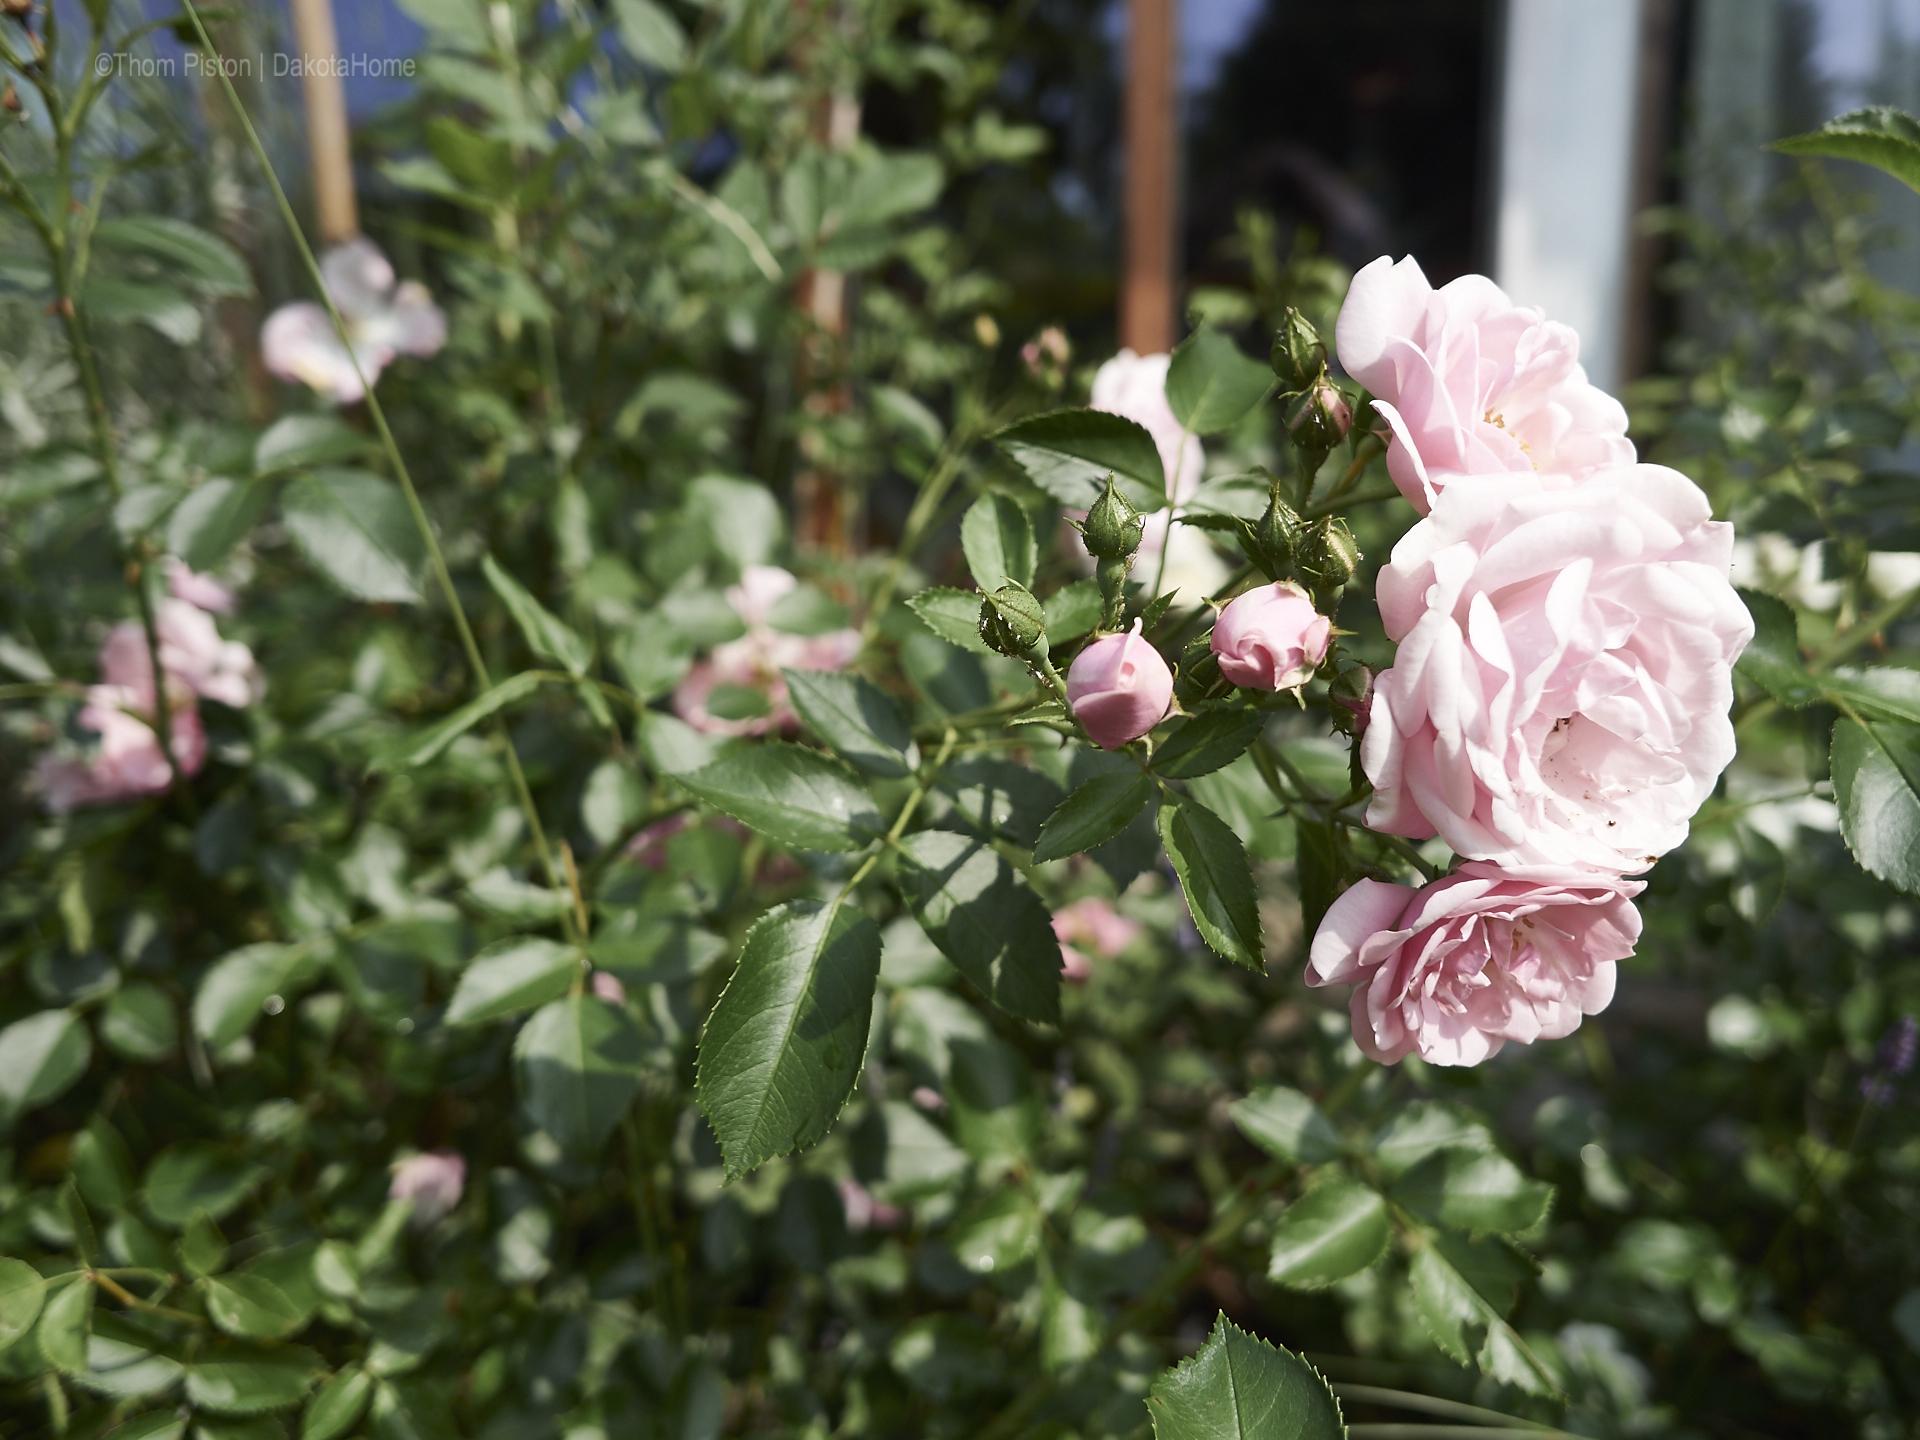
x,y
129,763
201,590
1271,638
191,652
1564,672
1119,688
608,988
863,1211
755,660
1472,384
927,1098
648,847
433,1181
1092,922
383,321
1135,386
1454,970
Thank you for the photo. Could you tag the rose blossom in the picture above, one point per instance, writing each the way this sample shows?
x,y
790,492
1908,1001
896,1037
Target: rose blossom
x,y
755,660
1564,672
201,590
383,320
608,987
191,652
1271,638
1472,384
1090,921
864,1212
1457,968
1119,688
129,763
1135,386
433,1183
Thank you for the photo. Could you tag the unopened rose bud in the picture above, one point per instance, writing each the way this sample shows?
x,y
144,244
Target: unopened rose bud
x,y
1351,694
1119,688
1328,556
1113,527
1298,356
1012,622
1320,418
1271,638
1276,535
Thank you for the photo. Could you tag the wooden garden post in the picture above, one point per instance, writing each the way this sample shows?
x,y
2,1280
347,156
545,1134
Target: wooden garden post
x,y
328,140
1152,187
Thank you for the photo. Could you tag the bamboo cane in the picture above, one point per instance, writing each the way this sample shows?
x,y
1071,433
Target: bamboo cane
x,y
328,140
1152,177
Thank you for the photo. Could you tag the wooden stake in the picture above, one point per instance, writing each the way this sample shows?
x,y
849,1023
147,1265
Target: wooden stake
x,y
328,139
1152,177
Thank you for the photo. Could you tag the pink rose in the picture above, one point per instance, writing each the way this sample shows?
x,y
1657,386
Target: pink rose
x,y
129,763
433,1183
191,652
1119,688
383,320
1457,968
1271,638
608,987
1090,921
754,661
1564,671
201,590
1472,384
864,1212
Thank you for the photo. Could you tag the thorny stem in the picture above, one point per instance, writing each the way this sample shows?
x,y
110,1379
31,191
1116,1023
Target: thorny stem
x,y
923,782
442,575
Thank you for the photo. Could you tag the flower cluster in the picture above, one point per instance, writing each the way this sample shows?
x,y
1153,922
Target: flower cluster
x,y
1557,709
738,689
385,318
197,664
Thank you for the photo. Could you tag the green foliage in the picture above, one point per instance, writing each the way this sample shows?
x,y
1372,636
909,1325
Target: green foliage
x,y
1239,1387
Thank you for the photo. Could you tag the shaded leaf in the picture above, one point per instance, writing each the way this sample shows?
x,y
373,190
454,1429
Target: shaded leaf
x,y
1093,814
1287,1125
1772,659
1216,878
1468,1325
985,919
578,1063
861,722
1207,743
1211,385
546,634
793,796
1070,453
1478,1191
40,1059
953,615
1876,783
510,976
243,1380
358,532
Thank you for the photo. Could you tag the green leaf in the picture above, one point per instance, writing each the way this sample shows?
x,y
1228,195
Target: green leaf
x,y
578,1064
251,1307
919,1158
1464,1322
794,796
510,976
213,518
336,1406
203,1249
200,260
997,1233
651,34
1483,1192
1212,866
168,1424
161,308
1093,814
1211,385
243,1380
358,532
295,442
997,797
985,919
998,540
196,1177
40,1059
1876,783
859,720
546,634
1208,742
122,1363
22,1292
653,657
1070,453
1424,1128
672,746
427,745
1287,1125
996,1114
480,162
783,1046
139,1024
741,517
65,1322
102,1165
1238,1387
1880,136
946,1357
953,615
1879,692
236,985
1333,1231
1772,659
1072,611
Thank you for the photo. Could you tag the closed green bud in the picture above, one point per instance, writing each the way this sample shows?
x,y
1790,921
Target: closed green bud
x,y
1328,556
1113,527
1320,417
1298,357
1012,622
1276,536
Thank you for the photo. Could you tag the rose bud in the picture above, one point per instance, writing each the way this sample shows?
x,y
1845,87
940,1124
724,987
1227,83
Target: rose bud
x,y
432,1181
1351,694
1271,638
1119,688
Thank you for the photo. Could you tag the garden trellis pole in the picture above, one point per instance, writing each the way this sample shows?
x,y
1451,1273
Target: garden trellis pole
x,y
328,141
1152,177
